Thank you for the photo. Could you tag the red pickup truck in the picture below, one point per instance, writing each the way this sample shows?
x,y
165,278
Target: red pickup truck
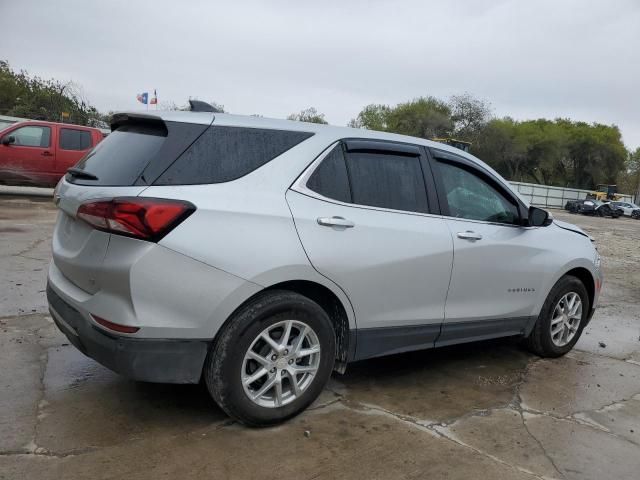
x,y
39,153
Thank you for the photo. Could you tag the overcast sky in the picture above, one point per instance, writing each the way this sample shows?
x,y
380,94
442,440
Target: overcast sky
x,y
530,59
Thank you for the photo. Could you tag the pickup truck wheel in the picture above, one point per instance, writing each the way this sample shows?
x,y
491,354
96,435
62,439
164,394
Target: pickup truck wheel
x,y
272,359
561,319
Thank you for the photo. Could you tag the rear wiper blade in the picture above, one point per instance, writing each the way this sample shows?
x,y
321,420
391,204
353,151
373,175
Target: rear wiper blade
x,y
77,172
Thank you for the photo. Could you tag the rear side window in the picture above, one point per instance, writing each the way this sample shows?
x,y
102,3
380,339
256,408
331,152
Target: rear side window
x,y
387,180
121,157
222,154
330,178
71,139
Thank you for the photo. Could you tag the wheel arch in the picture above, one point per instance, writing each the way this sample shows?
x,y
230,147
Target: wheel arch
x,y
585,276
335,309
331,298
580,268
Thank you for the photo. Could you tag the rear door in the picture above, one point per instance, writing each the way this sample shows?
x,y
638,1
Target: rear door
x,y
30,158
499,265
366,213
72,145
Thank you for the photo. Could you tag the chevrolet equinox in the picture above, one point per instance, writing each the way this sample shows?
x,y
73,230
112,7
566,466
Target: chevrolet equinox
x,y
259,255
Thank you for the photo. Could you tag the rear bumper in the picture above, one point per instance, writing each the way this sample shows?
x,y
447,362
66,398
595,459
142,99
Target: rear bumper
x,y
148,360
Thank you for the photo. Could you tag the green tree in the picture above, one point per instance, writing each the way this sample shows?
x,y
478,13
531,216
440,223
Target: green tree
x,y
372,117
553,152
424,117
309,115
503,148
629,178
23,95
469,116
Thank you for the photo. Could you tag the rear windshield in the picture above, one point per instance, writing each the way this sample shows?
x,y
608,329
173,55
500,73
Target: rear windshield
x,y
223,154
121,157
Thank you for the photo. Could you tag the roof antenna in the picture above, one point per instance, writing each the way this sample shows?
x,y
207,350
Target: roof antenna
x,y
200,106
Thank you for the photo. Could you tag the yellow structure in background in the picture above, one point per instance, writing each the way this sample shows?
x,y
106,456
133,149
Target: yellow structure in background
x,y
461,144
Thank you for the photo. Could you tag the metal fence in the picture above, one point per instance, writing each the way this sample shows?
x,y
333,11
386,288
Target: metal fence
x,y
554,197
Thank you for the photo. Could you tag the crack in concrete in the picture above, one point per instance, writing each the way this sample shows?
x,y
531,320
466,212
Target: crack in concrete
x,y
602,355
516,404
33,245
32,446
442,432
43,452
540,445
438,430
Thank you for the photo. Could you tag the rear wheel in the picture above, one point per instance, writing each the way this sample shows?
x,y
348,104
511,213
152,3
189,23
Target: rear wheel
x,y
272,359
561,319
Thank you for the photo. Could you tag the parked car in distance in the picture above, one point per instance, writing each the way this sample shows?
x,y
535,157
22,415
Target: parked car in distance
x,y
628,209
260,255
39,153
592,206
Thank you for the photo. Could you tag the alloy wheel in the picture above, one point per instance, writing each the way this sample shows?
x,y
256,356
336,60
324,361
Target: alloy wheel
x,y
281,363
566,318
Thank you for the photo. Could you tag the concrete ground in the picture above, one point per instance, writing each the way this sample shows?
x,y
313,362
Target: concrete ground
x,y
486,410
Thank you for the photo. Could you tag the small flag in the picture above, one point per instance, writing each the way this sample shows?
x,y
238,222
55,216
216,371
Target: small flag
x,y
154,99
143,98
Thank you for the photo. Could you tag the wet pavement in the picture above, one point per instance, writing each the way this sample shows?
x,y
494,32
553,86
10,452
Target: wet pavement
x,y
487,410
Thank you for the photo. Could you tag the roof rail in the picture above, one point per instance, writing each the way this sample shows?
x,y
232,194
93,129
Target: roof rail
x,y
200,106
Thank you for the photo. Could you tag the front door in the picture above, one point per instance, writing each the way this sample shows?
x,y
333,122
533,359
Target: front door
x,y
498,264
30,157
364,220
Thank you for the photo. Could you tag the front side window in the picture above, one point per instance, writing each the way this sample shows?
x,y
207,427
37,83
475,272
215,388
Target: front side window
x,y
71,139
387,180
471,197
32,136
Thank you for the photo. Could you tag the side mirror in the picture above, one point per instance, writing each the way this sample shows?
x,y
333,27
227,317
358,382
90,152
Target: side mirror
x,y
8,140
539,217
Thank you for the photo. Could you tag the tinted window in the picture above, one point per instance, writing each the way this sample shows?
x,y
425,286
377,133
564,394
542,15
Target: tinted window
x,y
32,136
330,178
387,181
471,197
222,154
74,139
121,157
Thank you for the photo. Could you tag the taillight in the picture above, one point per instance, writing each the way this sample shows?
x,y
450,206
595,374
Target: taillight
x,y
138,217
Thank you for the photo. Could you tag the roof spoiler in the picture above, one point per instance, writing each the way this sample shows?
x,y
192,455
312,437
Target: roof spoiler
x,y
119,119
200,106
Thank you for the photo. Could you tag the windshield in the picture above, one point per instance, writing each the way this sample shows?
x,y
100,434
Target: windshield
x,y
4,124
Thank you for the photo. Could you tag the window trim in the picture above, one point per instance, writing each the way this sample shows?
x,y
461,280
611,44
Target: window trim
x,y
8,134
441,156
74,130
300,184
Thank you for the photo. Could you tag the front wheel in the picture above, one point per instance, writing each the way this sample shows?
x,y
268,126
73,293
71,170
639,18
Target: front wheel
x,y
272,359
561,320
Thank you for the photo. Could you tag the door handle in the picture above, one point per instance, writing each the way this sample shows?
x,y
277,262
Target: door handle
x,y
335,222
47,153
469,235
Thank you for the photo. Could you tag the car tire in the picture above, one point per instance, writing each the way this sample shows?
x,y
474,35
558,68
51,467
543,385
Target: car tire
x,y
231,362
542,341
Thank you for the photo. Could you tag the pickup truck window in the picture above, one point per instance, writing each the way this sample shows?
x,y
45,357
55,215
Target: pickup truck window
x,y
71,139
32,136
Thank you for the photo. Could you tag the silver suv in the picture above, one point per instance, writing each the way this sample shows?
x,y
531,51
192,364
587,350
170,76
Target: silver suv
x,y
260,255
